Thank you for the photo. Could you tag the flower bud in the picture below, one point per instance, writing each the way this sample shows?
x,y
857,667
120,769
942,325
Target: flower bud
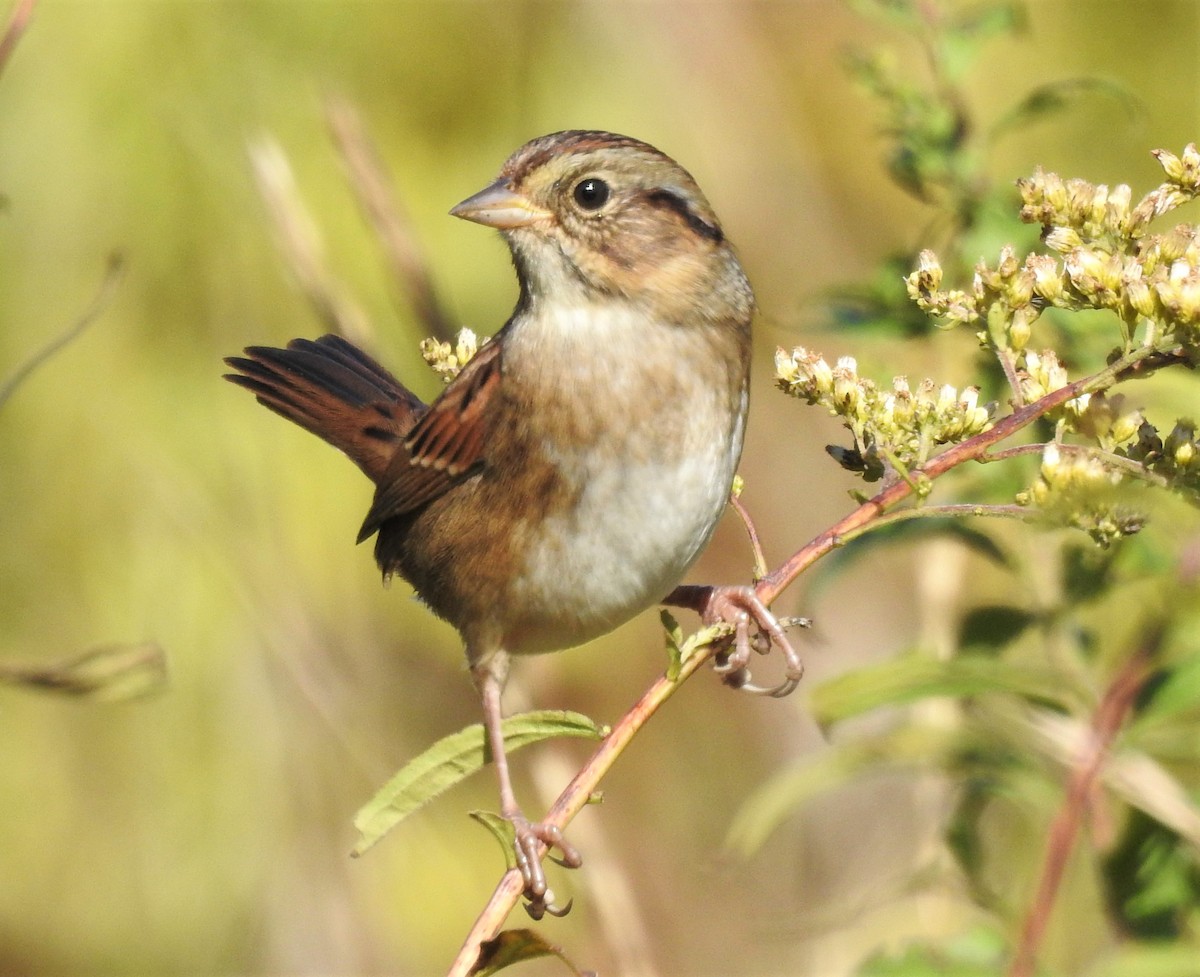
x,y
1181,444
1191,166
1046,275
1063,239
926,280
1116,215
846,390
1126,426
1098,205
1006,265
1172,165
1180,293
1079,193
947,399
1051,462
1141,298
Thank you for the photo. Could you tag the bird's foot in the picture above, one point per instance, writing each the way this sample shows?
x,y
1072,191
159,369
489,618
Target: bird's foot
x,y
529,837
755,629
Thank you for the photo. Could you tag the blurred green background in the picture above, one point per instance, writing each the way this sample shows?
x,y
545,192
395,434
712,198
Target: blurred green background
x,y
206,830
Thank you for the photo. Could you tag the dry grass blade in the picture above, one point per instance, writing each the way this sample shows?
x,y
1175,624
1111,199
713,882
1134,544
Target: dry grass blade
x,y
371,185
300,241
111,673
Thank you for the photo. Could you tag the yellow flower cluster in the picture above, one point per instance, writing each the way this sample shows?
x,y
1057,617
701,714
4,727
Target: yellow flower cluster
x,y
446,360
902,425
1075,488
1103,258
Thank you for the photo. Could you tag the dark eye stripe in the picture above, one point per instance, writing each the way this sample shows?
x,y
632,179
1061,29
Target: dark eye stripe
x,y
672,201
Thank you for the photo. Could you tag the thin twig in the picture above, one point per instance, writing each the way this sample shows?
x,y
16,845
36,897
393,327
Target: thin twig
x,y
1085,776
959,510
16,27
1005,357
370,183
112,275
760,560
1127,465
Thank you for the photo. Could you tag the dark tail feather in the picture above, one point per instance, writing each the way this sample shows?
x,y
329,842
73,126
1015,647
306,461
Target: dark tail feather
x,y
337,392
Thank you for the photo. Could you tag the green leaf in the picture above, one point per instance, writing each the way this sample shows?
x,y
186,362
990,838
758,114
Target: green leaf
x,y
915,676
502,830
989,20
108,674
454,758
680,649
1151,879
994,626
674,644
516,946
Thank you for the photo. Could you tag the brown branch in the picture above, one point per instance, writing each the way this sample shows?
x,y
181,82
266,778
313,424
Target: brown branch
x,y
570,802
1085,776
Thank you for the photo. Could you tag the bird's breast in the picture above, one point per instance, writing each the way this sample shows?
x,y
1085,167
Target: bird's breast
x,y
636,427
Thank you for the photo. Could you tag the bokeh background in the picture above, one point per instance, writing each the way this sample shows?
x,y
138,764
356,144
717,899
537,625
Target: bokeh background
x,y
206,829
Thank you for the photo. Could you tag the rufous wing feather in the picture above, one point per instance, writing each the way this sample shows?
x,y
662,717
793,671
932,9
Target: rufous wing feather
x,y
336,391
444,446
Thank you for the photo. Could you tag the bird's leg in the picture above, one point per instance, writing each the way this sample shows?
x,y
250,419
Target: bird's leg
x,y
739,606
529,835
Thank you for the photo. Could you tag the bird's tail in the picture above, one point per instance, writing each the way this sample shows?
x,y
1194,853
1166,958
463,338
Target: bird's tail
x,y
335,390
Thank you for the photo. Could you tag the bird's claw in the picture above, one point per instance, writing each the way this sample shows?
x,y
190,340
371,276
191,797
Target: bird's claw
x,y
740,606
529,837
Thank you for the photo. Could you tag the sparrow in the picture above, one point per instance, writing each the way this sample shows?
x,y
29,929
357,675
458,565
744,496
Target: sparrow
x,y
576,467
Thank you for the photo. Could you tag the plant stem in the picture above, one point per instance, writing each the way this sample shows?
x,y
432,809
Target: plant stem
x,y
760,560
957,510
1106,723
1127,465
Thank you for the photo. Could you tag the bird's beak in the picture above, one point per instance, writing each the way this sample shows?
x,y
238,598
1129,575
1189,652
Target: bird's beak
x,y
500,207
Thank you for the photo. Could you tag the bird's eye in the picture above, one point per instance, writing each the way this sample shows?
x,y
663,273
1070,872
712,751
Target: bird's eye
x,y
591,194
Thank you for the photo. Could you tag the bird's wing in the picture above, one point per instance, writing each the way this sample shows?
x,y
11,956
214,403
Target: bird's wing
x,y
445,445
